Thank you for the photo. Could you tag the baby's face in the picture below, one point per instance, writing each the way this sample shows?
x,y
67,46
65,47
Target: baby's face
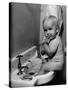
x,y
49,27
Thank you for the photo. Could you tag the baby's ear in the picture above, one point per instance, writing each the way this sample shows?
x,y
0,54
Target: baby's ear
x,y
57,31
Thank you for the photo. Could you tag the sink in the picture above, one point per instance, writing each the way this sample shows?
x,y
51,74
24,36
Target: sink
x,y
37,80
16,81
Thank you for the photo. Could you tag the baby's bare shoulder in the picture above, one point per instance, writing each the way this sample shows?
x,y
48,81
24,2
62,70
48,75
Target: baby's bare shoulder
x,y
55,42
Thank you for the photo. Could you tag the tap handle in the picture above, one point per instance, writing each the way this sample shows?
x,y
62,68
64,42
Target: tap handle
x,y
19,56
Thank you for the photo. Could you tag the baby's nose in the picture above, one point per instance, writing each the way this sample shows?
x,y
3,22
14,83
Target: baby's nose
x,y
48,32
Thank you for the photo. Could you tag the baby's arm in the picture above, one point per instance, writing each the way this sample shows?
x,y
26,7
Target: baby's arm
x,y
52,47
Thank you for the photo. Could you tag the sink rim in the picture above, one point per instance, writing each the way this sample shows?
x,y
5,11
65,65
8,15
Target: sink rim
x,y
48,76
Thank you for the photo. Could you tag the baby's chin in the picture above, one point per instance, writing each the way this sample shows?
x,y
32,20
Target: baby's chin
x,y
50,37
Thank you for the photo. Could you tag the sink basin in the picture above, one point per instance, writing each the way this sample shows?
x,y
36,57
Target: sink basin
x,y
37,80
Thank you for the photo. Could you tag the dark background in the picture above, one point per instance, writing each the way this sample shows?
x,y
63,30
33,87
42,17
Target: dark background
x,y
25,26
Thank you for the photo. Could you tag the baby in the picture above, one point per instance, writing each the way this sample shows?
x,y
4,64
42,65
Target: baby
x,y
52,45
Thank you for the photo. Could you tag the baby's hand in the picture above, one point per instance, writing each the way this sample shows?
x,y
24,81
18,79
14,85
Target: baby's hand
x,y
44,40
47,41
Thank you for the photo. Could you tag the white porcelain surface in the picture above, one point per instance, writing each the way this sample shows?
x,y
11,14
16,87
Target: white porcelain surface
x,y
41,79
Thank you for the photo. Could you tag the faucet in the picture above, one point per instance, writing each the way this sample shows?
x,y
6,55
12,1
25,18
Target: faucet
x,y
19,64
20,67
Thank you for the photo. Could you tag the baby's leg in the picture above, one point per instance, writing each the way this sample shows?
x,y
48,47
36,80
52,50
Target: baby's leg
x,y
41,71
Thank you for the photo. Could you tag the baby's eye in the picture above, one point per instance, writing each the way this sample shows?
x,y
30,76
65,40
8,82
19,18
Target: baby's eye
x,y
45,29
50,29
